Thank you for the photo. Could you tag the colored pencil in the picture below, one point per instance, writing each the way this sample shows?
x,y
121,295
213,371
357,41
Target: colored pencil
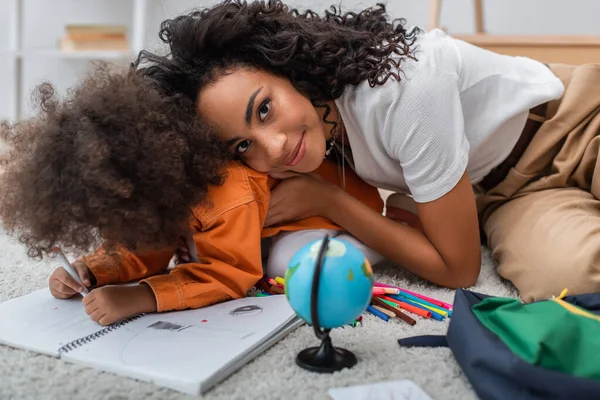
x,y
394,310
408,307
383,310
439,303
280,280
434,314
423,303
379,291
277,289
376,313
264,286
410,297
355,323
434,308
426,304
405,302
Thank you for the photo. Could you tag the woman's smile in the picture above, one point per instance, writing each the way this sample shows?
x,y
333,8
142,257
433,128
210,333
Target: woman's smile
x,y
296,155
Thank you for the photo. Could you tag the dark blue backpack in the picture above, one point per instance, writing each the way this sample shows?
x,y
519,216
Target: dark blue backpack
x,y
495,372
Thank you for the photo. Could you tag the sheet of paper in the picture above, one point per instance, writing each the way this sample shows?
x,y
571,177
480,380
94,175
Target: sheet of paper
x,y
183,349
41,323
394,390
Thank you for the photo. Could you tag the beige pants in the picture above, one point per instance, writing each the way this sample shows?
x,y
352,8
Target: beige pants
x,y
543,220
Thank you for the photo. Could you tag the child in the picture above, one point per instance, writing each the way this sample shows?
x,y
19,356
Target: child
x,y
120,161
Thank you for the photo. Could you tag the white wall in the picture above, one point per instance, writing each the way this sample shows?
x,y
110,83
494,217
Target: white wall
x,y
44,21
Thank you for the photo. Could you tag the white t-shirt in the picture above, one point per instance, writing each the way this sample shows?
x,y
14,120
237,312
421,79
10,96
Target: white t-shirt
x,y
458,107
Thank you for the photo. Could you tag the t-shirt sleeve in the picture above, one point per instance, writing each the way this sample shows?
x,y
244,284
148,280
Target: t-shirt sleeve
x,y
427,134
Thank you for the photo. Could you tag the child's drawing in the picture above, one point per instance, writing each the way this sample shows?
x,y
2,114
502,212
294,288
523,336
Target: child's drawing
x,y
248,310
168,342
167,326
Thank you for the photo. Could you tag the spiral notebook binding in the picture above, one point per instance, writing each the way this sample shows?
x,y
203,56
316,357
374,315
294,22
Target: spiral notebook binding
x,y
87,339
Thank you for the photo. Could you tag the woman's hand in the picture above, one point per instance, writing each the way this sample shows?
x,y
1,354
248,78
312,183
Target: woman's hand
x,y
299,196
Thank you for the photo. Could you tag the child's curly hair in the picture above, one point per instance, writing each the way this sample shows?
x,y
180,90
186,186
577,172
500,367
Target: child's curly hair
x,y
115,161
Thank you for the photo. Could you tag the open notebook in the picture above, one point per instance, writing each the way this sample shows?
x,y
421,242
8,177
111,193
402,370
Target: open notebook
x,y
189,351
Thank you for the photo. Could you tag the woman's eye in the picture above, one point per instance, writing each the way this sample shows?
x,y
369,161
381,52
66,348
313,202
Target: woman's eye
x,y
243,146
263,110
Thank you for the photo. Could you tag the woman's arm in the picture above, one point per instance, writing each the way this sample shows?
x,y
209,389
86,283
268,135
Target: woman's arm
x,y
448,253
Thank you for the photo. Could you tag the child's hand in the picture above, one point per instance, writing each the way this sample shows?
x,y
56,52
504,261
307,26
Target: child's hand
x,y
110,304
62,286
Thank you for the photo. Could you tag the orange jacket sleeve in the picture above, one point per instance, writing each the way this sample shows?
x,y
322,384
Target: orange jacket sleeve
x,y
227,239
224,271
124,266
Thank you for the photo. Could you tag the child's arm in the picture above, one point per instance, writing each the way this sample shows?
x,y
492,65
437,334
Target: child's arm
x,y
228,246
230,264
227,237
100,269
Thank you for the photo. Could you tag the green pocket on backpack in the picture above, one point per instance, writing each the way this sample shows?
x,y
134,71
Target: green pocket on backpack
x,y
552,334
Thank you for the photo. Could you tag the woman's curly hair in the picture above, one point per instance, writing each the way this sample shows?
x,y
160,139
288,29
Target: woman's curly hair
x,y
116,161
320,55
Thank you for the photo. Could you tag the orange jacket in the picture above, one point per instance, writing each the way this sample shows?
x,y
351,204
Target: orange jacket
x,y
227,237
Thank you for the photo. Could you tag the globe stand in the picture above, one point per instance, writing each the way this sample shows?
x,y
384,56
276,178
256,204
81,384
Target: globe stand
x,y
326,358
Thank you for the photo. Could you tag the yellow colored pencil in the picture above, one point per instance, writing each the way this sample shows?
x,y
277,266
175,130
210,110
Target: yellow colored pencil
x,y
280,280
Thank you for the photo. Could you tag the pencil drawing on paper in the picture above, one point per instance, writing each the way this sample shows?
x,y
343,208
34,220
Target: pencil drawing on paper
x,y
251,309
169,326
173,341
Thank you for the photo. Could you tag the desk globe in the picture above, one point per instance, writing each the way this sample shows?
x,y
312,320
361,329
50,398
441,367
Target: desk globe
x,y
328,283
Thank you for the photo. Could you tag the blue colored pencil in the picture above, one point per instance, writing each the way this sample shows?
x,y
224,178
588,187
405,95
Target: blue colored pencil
x,y
378,313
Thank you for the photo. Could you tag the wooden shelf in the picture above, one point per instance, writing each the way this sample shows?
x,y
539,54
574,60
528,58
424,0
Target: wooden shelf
x,y
485,39
83,55
86,55
568,49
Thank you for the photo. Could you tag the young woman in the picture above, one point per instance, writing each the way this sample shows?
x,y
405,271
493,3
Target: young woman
x,y
418,113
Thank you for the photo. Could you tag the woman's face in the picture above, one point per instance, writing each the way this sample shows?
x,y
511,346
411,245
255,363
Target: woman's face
x,y
265,120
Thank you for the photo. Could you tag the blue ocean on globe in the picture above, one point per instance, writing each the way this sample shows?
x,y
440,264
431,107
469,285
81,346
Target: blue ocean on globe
x,y
345,288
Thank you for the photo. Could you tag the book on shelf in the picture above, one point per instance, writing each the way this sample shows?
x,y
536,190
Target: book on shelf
x,y
94,37
95,29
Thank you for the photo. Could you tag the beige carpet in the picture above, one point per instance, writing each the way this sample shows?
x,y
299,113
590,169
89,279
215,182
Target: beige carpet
x,y
274,375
